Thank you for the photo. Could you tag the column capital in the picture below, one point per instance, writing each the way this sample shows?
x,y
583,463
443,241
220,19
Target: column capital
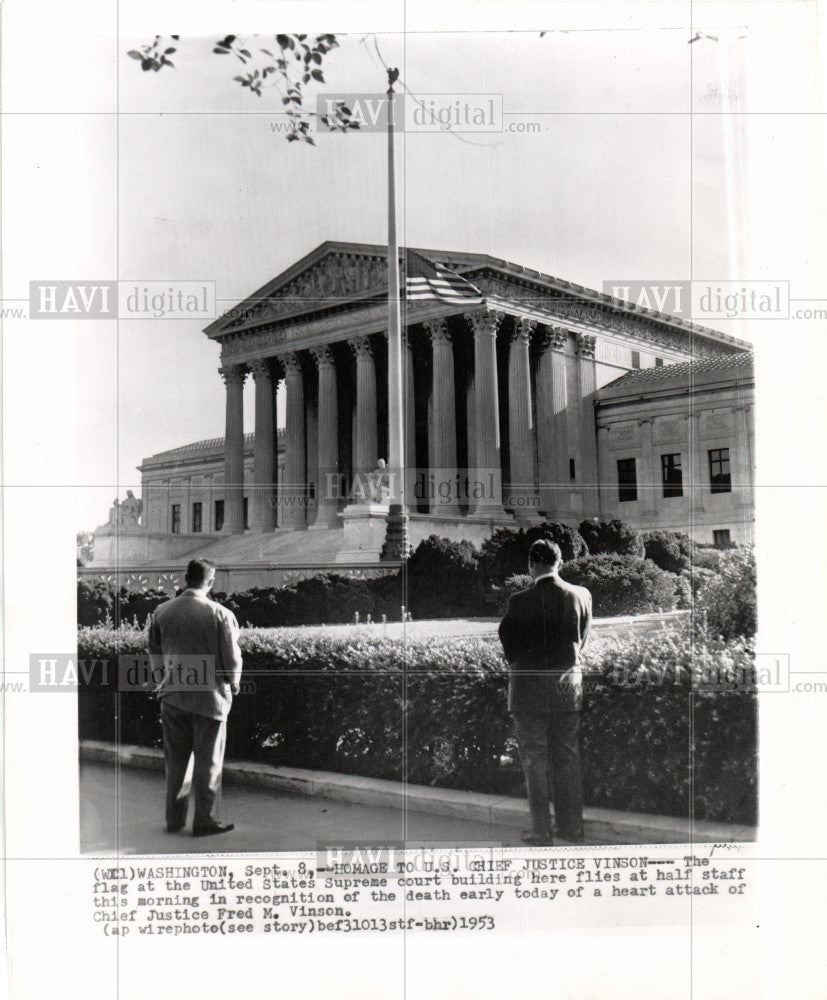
x,y
361,347
323,356
523,329
233,374
437,331
484,321
552,338
261,370
586,343
291,362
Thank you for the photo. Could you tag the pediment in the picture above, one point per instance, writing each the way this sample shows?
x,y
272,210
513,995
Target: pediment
x,y
334,279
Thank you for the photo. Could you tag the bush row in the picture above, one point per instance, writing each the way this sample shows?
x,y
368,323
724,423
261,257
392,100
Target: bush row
x,y
434,710
626,573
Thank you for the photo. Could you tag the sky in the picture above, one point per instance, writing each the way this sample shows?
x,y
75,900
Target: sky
x,y
190,182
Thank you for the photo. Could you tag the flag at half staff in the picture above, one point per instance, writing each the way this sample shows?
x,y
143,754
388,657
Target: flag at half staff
x,y
425,279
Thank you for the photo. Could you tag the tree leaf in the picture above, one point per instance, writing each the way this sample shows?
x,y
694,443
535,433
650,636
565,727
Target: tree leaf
x,y
317,75
134,55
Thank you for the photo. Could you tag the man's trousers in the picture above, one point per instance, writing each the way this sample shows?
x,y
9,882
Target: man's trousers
x,y
550,754
184,734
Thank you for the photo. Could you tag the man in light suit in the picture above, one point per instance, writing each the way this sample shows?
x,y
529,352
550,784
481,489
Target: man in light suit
x,y
193,641
542,633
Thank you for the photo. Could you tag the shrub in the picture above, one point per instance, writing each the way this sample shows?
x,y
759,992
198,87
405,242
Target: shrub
x,y
444,579
96,603
136,605
707,557
727,599
611,538
505,554
513,585
319,600
671,550
353,703
623,585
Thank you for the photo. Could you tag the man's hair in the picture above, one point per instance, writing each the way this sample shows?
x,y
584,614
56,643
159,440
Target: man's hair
x,y
545,553
198,572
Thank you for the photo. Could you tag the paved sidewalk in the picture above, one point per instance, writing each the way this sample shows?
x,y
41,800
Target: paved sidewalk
x,y
122,812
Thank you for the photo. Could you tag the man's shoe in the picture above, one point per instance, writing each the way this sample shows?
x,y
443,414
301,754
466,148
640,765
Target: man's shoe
x,y
208,831
534,839
174,829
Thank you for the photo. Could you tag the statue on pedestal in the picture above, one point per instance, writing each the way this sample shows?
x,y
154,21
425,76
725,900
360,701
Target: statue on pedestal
x,y
126,513
380,482
372,487
131,509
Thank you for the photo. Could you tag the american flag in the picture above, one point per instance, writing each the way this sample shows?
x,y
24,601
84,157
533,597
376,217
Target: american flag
x,y
428,280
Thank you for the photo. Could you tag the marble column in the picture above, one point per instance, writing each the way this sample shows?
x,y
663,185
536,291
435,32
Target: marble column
x,y
486,488
552,444
293,493
587,382
234,376
328,485
443,429
521,422
263,509
365,445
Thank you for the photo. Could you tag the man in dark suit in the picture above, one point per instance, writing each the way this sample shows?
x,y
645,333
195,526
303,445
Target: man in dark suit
x,y
193,644
542,633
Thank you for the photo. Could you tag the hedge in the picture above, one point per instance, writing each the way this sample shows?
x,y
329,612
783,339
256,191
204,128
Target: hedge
x,y
671,550
445,579
505,553
623,585
611,538
726,598
352,703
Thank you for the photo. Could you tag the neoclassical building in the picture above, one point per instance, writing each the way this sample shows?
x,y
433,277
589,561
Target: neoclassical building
x,y
529,405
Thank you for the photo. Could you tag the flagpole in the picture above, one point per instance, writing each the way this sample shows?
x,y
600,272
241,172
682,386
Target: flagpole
x,y
396,543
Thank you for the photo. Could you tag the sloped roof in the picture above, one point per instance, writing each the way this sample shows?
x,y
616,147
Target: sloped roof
x,y
699,371
466,263
198,449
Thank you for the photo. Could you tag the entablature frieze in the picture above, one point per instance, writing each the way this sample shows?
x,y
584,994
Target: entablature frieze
x,y
523,303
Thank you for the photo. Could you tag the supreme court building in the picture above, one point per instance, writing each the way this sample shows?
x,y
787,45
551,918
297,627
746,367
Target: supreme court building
x,y
547,401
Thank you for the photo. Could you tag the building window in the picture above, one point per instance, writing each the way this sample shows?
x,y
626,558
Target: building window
x,y
197,517
671,475
219,515
719,476
246,512
658,362
175,521
572,470
721,539
635,359
626,480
